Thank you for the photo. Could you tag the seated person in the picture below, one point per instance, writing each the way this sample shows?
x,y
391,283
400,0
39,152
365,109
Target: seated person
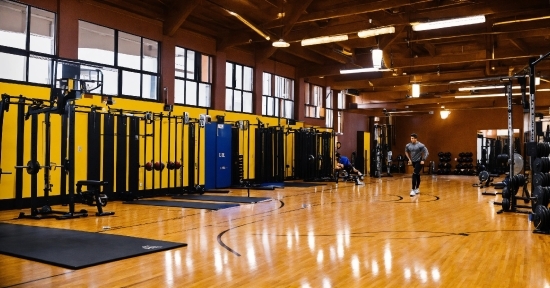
x,y
344,163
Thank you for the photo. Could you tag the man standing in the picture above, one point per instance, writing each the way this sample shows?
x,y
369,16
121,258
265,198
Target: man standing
x,y
417,154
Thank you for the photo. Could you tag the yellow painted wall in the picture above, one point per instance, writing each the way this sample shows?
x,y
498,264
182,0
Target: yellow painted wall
x,y
7,182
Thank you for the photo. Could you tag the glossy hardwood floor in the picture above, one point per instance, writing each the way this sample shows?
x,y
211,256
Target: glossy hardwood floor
x,y
373,235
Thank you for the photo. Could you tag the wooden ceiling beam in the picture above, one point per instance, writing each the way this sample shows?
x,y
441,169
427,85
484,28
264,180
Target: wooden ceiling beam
x,y
329,53
351,10
177,14
304,54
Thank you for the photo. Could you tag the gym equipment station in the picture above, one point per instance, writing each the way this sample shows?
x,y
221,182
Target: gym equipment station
x,y
285,143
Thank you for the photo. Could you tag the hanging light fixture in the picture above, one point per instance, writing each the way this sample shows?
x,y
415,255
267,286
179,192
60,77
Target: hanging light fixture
x,y
415,90
377,58
281,43
444,114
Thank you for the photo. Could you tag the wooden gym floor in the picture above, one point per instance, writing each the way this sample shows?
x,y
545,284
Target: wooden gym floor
x,y
373,235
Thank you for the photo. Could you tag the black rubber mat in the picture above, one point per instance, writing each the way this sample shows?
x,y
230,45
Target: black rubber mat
x,y
74,249
234,199
296,184
183,204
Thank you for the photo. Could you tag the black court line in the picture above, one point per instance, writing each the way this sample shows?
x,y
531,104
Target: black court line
x,y
233,199
74,249
183,204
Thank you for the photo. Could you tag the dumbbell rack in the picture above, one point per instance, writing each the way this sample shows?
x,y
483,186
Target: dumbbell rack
x,y
444,166
541,189
465,164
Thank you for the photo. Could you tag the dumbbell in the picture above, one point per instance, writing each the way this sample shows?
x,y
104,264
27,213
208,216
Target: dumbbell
x,y
159,166
170,165
148,166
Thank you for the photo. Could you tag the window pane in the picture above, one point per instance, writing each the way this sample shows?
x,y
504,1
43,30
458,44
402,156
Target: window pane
x,y
307,94
150,55
149,86
179,91
247,102
13,26
266,86
247,79
264,104
328,118
129,50
328,98
180,62
16,64
39,70
237,100
110,81
269,106
96,43
206,69
131,83
289,109
42,31
238,77
191,93
276,109
228,75
229,99
190,65
204,94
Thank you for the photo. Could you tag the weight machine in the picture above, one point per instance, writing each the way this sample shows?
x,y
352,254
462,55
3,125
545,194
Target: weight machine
x,y
381,154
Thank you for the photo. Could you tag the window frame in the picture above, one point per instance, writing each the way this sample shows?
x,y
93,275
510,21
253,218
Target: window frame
x,y
122,70
276,96
197,78
239,88
27,53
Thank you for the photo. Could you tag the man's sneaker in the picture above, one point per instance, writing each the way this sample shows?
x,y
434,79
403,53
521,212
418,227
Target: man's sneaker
x,y
416,191
413,193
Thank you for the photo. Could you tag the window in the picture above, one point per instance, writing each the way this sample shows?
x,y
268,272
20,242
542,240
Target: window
x,y
129,63
314,101
193,84
238,88
277,99
27,42
329,118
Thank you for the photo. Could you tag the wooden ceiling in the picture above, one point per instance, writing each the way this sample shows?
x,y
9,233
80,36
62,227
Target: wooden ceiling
x,y
514,32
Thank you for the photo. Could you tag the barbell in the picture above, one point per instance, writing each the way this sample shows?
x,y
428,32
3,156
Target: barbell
x,y
33,167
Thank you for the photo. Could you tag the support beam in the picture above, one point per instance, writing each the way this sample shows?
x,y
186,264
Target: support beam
x,y
177,14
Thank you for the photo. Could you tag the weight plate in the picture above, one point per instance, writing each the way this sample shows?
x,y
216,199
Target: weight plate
x,y
537,179
505,204
538,215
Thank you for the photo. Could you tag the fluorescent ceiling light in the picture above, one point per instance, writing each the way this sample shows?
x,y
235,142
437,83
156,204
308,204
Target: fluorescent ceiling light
x,y
444,114
324,39
376,31
249,24
377,58
362,70
281,43
448,23
485,95
481,88
415,90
